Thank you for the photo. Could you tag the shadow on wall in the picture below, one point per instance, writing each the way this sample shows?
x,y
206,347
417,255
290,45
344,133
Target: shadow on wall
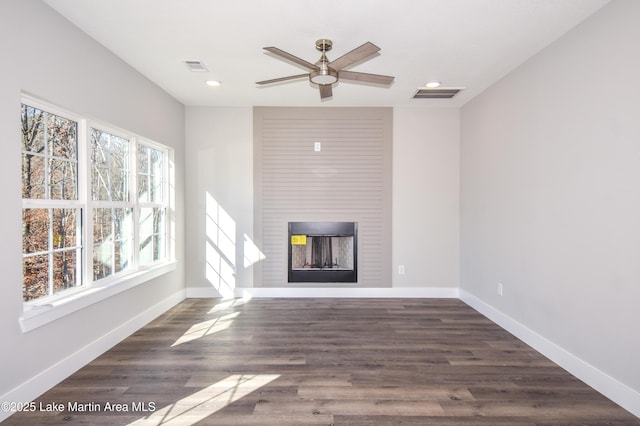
x,y
220,250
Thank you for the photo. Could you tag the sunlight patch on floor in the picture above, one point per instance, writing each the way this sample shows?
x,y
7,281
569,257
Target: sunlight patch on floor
x,y
206,328
201,404
229,303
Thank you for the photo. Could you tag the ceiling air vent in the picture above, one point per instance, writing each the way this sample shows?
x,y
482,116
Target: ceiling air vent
x,y
196,66
436,93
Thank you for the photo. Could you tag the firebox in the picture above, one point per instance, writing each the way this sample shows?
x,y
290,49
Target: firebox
x,y
323,252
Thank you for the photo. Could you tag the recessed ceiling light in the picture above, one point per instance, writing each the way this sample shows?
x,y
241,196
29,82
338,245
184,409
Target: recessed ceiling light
x,y
213,83
433,84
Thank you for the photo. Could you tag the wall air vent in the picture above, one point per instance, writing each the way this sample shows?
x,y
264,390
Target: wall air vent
x,y
196,66
437,93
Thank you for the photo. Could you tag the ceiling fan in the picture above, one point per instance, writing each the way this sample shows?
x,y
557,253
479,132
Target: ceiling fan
x,y
324,73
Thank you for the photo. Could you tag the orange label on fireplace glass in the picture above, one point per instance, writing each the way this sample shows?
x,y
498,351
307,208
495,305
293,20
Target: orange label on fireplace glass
x,y
298,240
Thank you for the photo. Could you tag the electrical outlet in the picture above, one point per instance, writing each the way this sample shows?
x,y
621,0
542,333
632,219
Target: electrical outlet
x,y
499,289
317,146
401,270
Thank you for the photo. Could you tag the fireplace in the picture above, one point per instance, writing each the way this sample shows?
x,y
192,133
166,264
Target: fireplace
x,y
324,252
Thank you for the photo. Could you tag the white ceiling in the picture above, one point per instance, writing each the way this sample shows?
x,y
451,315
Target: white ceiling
x,y
468,43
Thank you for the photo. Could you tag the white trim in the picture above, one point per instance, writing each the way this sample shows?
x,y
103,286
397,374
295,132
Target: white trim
x,y
613,389
41,382
49,107
37,315
326,292
202,293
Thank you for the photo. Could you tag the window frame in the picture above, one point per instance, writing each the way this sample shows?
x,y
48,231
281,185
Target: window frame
x,y
164,204
42,310
93,205
52,203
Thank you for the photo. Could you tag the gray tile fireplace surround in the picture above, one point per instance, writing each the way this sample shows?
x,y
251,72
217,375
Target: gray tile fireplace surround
x,y
323,165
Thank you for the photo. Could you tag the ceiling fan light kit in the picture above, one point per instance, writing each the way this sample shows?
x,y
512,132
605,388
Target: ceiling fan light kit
x,y
326,76
324,73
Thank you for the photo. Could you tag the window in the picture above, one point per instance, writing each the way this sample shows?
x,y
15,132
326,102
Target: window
x,y
83,221
151,201
51,241
112,213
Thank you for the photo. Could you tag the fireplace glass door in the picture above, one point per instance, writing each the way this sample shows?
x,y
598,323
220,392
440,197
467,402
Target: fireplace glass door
x,y
322,251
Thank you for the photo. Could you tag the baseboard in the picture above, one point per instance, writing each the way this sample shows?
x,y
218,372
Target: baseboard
x,y
349,292
326,292
202,293
613,389
45,380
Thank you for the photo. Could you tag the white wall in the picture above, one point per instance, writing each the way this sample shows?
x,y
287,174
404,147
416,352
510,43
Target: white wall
x,y
550,195
425,208
47,57
426,144
219,158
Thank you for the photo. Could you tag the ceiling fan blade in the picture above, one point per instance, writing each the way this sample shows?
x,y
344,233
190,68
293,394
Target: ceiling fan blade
x,y
365,77
354,56
325,91
292,58
276,80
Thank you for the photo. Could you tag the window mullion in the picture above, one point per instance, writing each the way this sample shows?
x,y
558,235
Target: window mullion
x,y
112,247
47,157
133,195
50,274
168,185
84,191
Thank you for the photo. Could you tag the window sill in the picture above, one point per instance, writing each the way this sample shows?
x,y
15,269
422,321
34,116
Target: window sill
x,y
35,316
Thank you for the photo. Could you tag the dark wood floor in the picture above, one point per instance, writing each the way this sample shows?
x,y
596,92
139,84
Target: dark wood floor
x,y
324,361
